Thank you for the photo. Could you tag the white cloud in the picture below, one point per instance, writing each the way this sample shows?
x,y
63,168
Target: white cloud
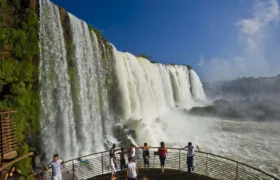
x,y
264,12
260,54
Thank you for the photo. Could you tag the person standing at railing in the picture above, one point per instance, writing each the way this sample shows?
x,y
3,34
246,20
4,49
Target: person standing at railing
x,y
132,170
112,153
12,173
190,156
55,165
146,154
162,151
113,168
132,152
122,159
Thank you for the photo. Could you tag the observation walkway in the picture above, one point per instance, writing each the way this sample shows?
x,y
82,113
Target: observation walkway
x,y
155,174
207,167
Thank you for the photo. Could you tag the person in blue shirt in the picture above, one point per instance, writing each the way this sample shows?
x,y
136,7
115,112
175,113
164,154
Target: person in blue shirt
x,y
55,165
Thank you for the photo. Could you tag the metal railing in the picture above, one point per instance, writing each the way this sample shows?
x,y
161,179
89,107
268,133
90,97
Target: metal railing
x,y
207,164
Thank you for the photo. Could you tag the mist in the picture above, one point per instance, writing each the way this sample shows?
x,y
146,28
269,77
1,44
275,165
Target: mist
x,y
253,143
259,42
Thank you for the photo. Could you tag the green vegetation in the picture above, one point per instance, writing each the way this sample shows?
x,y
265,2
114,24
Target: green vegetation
x,y
2,19
97,33
15,3
2,3
23,164
148,58
91,29
19,75
4,36
144,56
189,67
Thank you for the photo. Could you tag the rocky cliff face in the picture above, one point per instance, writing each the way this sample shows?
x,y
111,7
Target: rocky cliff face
x,y
19,74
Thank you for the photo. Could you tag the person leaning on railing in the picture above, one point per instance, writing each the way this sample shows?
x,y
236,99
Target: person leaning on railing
x,y
122,159
162,150
146,154
190,156
12,173
55,165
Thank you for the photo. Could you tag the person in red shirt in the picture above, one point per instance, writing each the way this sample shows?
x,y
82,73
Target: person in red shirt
x,y
122,159
162,150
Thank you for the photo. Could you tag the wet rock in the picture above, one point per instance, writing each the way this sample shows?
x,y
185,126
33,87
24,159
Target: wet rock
x,y
121,133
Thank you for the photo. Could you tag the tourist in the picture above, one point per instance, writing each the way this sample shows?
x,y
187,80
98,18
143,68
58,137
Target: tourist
x,y
132,152
132,170
113,168
162,150
146,154
12,173
112,150
55,165
190,156
112,153
122,159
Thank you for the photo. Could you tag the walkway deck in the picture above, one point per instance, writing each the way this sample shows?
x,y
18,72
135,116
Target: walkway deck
x,y
154,174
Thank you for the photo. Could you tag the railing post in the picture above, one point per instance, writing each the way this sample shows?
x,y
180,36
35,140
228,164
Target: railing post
x,y
179,160
102,162
237,171
206,165
73,169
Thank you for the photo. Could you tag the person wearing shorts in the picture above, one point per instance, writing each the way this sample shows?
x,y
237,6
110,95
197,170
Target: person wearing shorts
x,y
55,165
122,159
146,154
162,150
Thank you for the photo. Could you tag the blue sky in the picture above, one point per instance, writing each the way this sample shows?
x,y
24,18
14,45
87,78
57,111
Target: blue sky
x,y
213,36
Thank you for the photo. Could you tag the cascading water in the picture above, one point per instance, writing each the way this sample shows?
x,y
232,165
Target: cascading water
x,y
56,114
76,114
85,59
197,88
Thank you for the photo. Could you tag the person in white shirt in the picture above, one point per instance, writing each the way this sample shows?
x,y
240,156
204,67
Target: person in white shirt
x,y
190,156
55,165
132,152
113,168
132,170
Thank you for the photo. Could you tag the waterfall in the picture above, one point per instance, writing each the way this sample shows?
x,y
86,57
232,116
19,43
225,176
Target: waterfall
x,y
85,60
56,112
197,88
80,75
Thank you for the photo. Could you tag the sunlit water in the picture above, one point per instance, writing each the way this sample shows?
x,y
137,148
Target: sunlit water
x,y
253,143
